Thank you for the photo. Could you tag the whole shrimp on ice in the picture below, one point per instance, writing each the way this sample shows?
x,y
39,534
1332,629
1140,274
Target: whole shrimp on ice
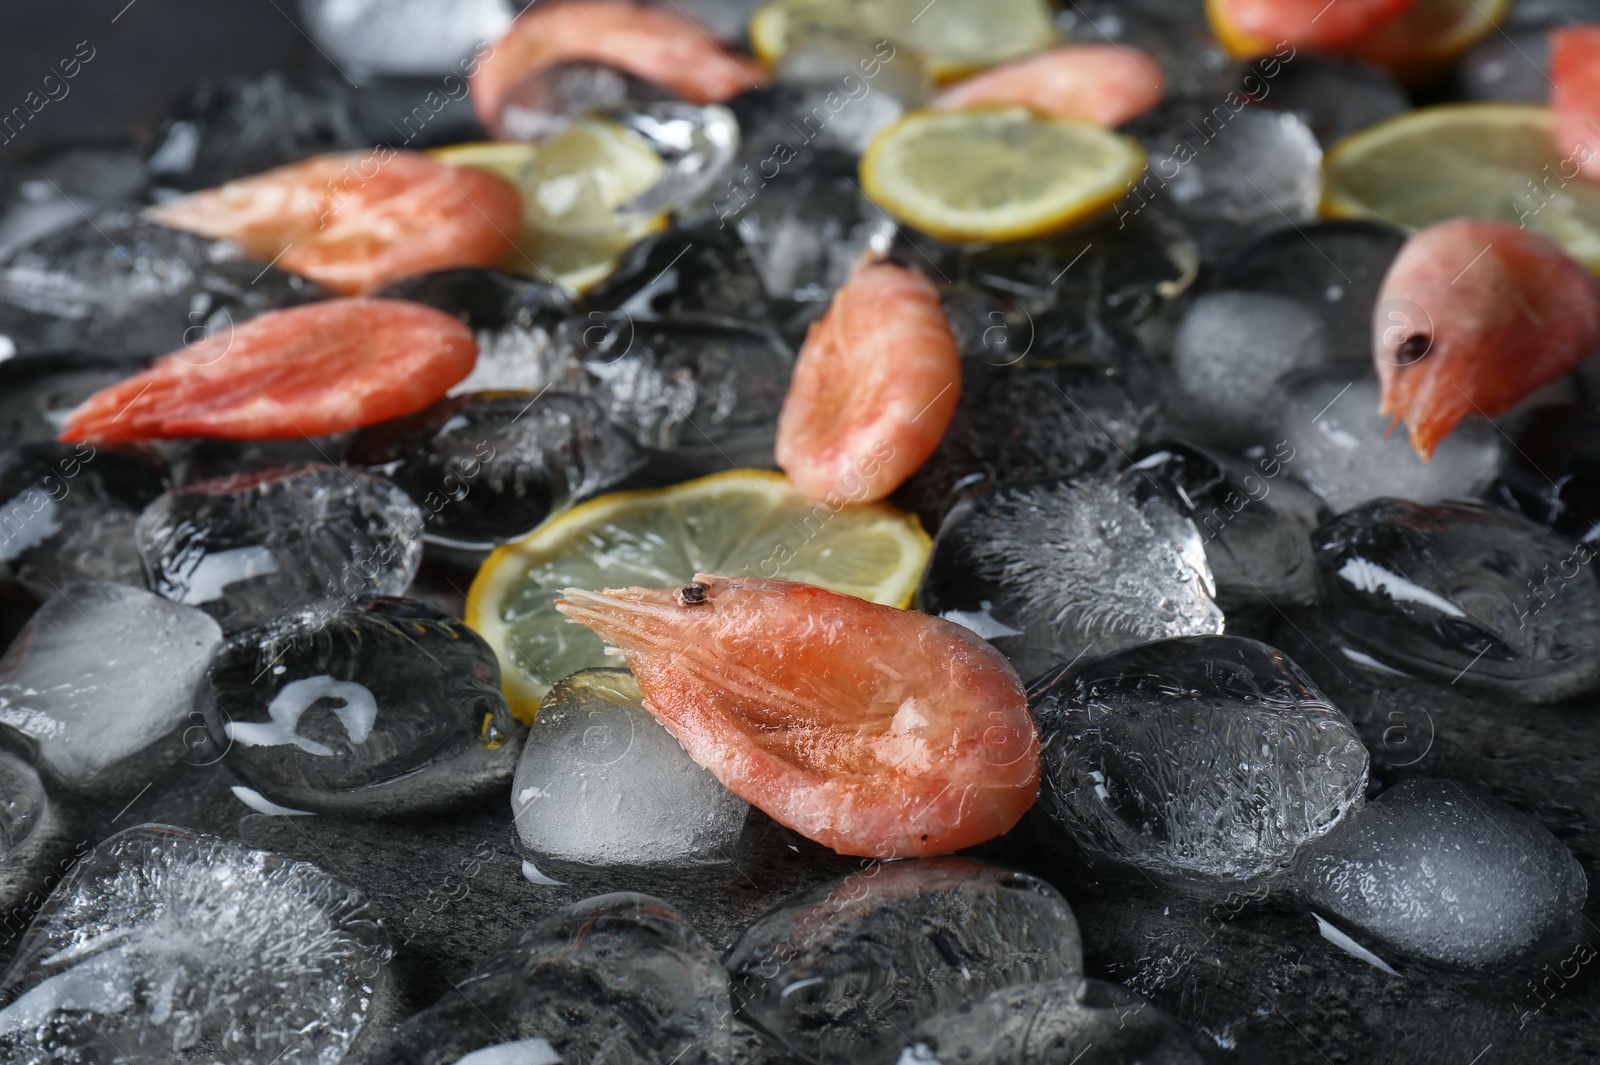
x,y
875,731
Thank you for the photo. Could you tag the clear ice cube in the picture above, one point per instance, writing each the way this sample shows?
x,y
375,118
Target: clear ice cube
x,y
388,708
103,679
30,827
405,36
1333,96
1437,870
170,945
1072,567
685,270
1230,350
602,782
1255,523
255,547
1176,35
55,189
1552,474
621,978
805,232
1512,66
1481,598
67,513
1060,1022
1207,759
489,467
37,391
838,974
1345,452
114,285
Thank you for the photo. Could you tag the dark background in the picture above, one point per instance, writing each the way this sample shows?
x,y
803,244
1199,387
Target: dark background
x,y
142,60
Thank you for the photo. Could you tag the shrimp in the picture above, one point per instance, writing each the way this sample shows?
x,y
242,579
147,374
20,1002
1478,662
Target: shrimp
x,y
1472,317
874,731
1102,83
1575,70
355,221
307,371
656,44
874,388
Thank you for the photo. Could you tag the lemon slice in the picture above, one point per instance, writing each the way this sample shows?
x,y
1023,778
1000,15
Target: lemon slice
x,y
575,188
743,522
1493,161
996,173
1423,43
955,37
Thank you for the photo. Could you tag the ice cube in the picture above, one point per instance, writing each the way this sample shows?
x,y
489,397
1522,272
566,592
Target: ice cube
x,y
546,101
67,513
1439,871
1512,66
805,231
705,392
170,945
1060,1022
1079,567
1230,350
685,270
1480,598
57,189
1553,472
1227,171
838,974
103,679
387,708
405,36
1333,96
602,782
231,127
1344,450
489,467
258,546
1124,266
1256,524
620,978
114,285
30,827
1335,267
1207,759
1024,418
697,144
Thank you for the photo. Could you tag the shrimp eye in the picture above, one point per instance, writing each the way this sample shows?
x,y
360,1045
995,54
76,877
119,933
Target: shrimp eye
x,y
494,737
692,594
1413,348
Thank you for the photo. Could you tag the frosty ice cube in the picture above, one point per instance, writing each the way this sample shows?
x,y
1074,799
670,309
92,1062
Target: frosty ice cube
x,y
405,36
488,467
67,513
1057,569
50,190
103,679
1436,870
704,391
1345,453
621,978
388,708
1204,759
1230,350
258,546
169,944
602,782
1476,597
838,974
1060,1022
